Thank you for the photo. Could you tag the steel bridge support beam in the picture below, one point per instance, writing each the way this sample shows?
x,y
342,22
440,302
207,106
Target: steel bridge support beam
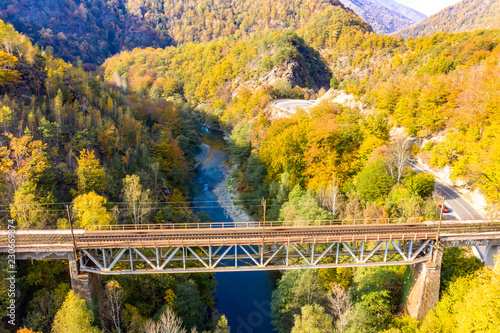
x,y
254,257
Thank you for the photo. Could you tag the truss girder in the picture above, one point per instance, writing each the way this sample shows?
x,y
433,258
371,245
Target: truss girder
x,y
254,257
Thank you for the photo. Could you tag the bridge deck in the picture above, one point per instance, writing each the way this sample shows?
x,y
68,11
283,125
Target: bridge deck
x,y
61,240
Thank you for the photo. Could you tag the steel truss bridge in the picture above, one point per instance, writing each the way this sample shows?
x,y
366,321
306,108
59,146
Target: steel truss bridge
x,y
218,247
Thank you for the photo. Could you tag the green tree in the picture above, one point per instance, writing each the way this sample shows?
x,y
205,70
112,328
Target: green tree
x,y
74,316
302,206
295,289
372,313
49,130
405,204
189,305
421,184
313,319
43,307
91,175
374,182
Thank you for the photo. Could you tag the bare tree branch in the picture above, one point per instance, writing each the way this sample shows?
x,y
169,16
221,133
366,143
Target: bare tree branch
x,y
341,306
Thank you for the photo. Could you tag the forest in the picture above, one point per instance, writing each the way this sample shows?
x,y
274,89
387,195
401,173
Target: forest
x,y
117,145
69,138
92,30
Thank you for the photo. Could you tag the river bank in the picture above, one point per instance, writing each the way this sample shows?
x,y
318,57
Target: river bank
x,y
202,155
226,193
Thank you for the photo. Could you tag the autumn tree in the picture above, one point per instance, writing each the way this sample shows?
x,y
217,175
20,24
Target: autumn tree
x,y
6,117
469,305
26,208
23,159
113,307
168,322
398,158
330,197
74,316
59,107
222,325
7,73
138,200
26,330
132,320
91,175
90,209
341,307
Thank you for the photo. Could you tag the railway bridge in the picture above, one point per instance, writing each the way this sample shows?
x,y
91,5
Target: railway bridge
x,y
239,246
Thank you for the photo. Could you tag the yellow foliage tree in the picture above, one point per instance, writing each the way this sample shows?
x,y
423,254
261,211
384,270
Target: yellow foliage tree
x,y
26,209
472,304
23,159
74,316
138,200
90,210
5,117
91,175
7,73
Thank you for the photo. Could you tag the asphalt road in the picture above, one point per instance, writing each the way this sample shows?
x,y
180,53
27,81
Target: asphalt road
x,y
460,208
290,105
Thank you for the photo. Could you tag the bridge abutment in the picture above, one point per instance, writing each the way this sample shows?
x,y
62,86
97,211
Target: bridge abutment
x,y
86,285
424,293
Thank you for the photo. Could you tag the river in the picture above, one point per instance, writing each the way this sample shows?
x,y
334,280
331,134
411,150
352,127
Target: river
x,y
244,297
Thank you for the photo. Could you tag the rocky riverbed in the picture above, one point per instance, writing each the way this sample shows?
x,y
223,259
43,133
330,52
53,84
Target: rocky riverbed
x,y
226,193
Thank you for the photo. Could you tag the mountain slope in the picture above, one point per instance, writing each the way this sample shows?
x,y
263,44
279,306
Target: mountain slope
x,y
89,31
385,16
468,15
399,8
96,29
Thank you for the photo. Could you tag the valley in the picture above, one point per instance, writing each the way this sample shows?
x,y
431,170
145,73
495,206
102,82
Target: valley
x,y
145,113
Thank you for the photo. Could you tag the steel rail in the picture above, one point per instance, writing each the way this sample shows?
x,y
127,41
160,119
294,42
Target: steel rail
x,y
227,236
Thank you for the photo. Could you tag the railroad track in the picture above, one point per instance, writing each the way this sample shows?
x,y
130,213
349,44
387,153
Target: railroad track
x,y
250,235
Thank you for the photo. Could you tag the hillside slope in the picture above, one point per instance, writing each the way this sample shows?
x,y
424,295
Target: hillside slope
x,y
402,9
385,16
468,15
93,30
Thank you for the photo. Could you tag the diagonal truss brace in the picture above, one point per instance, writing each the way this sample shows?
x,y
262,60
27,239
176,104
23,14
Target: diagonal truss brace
x,y
250,257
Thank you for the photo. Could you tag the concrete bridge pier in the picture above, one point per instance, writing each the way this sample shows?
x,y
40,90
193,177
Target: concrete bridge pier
x,y
490,252
424,293
85,285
